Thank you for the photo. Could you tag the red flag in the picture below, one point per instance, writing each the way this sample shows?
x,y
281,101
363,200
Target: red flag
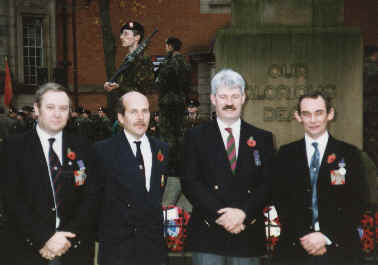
x,y
8,91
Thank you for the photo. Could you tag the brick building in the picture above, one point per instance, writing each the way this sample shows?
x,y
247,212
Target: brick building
x,y
37,37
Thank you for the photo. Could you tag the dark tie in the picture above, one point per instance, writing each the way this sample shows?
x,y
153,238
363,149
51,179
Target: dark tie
x,y
140,161
231,150
314,171
55,171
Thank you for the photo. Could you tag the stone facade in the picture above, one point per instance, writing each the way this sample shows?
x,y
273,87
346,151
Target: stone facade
x,y
281,58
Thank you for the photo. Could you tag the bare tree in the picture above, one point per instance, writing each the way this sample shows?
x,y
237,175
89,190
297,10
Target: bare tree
x,y
107,38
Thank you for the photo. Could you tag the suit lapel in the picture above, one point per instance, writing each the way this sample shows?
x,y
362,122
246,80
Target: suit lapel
x,y
244,152
324,171
216,141
302,161
155,169
39,164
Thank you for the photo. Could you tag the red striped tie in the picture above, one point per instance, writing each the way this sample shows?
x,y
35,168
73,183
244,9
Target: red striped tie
x,y
231,150
55,171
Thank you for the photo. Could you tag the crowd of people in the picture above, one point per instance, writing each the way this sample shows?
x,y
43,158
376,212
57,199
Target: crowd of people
x,y
61,192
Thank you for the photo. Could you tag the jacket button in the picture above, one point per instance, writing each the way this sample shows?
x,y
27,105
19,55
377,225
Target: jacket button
x,y
53,209
310,227
216,187
75,246
128,205
337,245
249,191
308,190
293,244
253,221
206,222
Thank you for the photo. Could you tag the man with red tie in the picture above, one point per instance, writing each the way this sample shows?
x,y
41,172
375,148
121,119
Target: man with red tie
x,y
225,175
48,201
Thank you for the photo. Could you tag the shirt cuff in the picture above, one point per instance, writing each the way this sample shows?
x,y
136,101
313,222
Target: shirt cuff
x,y
317,228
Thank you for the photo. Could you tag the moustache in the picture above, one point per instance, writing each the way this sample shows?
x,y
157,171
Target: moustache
x,y
229,107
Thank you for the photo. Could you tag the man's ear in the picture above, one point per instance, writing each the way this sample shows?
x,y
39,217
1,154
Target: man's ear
x,y
36,110
331,114
137,38
297,116
120,118
212,98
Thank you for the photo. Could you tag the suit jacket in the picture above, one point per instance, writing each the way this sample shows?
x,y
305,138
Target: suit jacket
x,y
29,203
340,206
209,184
131,221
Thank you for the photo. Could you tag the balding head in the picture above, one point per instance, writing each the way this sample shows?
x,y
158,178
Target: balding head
x,y
134,113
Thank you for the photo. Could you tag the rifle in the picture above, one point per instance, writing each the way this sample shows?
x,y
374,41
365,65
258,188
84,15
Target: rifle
x,y
131,57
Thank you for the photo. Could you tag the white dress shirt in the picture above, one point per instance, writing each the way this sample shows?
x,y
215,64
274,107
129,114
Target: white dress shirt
x,y
235,132
322,144
145,148
57,147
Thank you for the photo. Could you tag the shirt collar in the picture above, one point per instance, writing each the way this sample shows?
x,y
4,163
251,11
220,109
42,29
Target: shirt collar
x,y
235,126
131,138
44,136
322,140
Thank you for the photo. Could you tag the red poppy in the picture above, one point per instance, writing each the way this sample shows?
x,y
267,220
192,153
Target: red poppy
x,y
160,156
251,142
331,158
71,155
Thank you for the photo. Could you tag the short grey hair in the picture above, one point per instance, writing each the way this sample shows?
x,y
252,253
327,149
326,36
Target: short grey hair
x,y
228,78
50,86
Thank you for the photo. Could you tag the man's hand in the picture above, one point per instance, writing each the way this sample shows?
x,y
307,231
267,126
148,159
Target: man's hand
x,y
231,219
57,245
314,243
110,86
46,253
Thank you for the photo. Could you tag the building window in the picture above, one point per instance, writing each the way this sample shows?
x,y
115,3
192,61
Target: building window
x,y
33,53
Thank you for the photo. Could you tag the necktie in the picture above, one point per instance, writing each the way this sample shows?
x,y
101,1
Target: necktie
x,y
231,150
314,171
55,172
140,161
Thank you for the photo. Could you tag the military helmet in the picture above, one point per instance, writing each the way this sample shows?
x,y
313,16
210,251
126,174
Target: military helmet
x,y
135,27
192,103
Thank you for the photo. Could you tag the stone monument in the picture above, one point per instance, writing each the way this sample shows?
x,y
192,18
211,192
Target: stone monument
x,y
284,48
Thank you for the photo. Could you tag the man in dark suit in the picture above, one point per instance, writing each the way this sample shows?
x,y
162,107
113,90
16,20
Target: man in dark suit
x,y
132,174
318,190
225,175
45,185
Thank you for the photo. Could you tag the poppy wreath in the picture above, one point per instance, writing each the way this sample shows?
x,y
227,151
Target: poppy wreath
x,y
175,230
369,239
271,240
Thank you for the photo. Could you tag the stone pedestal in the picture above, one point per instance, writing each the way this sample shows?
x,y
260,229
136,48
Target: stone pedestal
x,y
284,48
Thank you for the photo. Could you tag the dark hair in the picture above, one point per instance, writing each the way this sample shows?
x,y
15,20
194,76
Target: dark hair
x,y
314,95
119,107
174,42
51,86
